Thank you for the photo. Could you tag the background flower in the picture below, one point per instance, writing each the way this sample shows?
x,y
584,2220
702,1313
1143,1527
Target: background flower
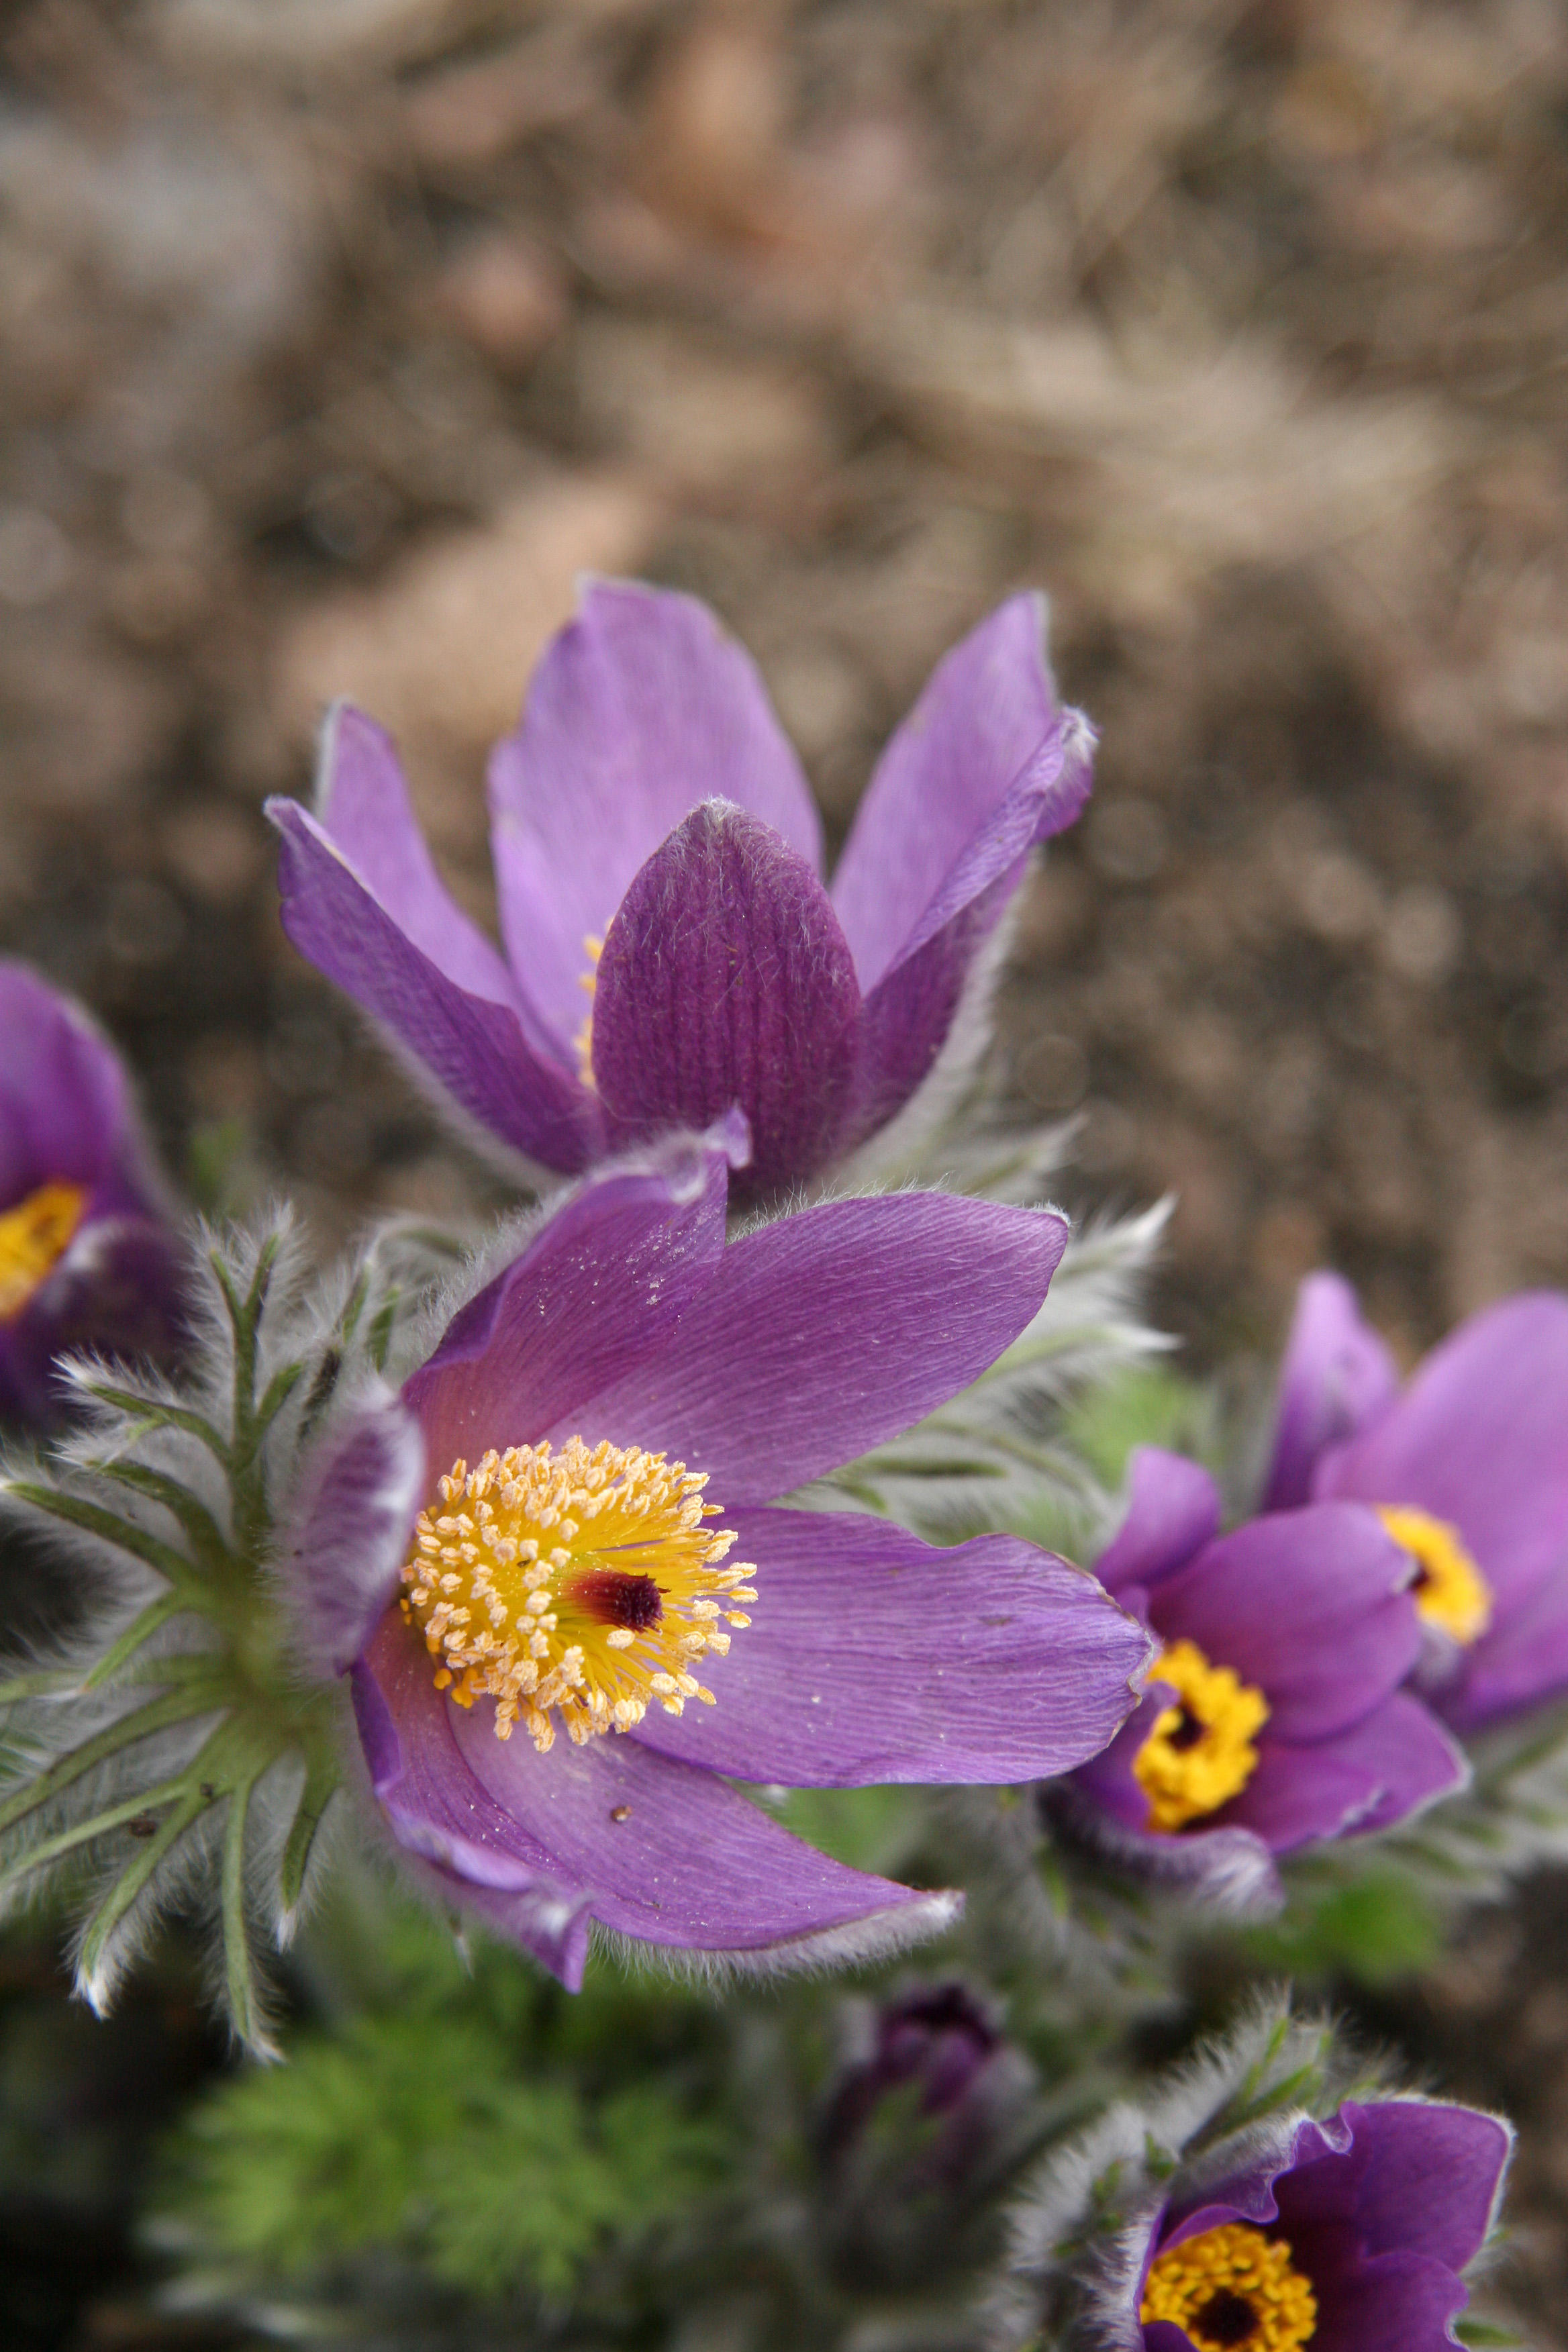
x,y
89,1255
1275,1703
658,855
1470,1461
872,1657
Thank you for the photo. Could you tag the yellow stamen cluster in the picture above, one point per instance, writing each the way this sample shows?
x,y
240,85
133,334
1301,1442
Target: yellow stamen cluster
x,y
34,1237
1199,1751
1232,2286
1450,1591
583,1041
583,1582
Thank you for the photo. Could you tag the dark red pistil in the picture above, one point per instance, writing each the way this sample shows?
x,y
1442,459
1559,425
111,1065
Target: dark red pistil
x,y
632,1602
1225,2319
1187,1734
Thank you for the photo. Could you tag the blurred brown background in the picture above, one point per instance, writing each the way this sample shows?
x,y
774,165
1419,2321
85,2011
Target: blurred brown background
x,y
340,335
337,336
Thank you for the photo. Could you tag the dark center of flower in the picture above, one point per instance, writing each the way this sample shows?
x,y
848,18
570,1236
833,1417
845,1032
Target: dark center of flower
x,y
1189,1730
617,1599
582,1584
1226,2319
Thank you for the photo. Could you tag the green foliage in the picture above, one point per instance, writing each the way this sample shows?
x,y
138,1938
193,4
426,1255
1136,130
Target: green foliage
x,y
1150,1405
470,2118
1377,1928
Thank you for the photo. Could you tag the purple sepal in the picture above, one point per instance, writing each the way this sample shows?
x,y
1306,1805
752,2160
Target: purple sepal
x,y
351,1524
1173,1510
1043,1658
725,979
1227,1870
639,709
1336,1378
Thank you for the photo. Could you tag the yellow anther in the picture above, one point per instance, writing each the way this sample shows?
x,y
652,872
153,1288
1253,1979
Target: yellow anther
x,y
1200,1751
614,1616
1233,2285
1449,1590
34,1237
583,1041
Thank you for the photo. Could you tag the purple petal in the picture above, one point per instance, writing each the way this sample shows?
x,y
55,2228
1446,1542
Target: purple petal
x,y
471,1044
828,1331
351,1525
639,709
992,1661
64,1105
1523,1662
984,716
1419,2177
441,1814
1307,1604
1481,1439
1336,1379
1227,1870
725,979
1396,2303
1173,1511
602,1281
1382,1770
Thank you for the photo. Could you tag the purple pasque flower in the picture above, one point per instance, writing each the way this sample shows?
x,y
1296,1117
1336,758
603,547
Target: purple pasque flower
x,y
1352,2233
670,948
579,1573
1273,1716
89,1255
1468,1465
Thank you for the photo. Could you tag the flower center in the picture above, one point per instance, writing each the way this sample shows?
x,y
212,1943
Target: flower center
x,y
1199,1751
1449,1590
1233,2285
34,1237
583,1582
583,1041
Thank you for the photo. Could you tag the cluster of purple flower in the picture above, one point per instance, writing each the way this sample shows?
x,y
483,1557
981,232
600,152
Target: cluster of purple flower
x,y
575,1507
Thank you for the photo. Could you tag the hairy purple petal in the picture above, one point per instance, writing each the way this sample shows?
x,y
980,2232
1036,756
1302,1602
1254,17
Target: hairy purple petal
x,y
1420,2178
603,1280
639,709
1336,1379
65,1108
826,1333
1378,1771
1228,1870
1480,1439
982,718
725,979
990,1661
1173,1511
1310,1605
351,1524
471,1042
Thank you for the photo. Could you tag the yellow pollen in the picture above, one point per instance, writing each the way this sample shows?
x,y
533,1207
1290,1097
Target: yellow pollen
x,y
1449,1590
583,1041
1200,1751
577,1585
1232,2286
34,1237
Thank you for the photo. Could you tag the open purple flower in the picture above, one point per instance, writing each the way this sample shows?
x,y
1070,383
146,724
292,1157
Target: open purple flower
x,y
522,1542
1273,1716
89,1257
670,949
1352,2235
1468,1466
